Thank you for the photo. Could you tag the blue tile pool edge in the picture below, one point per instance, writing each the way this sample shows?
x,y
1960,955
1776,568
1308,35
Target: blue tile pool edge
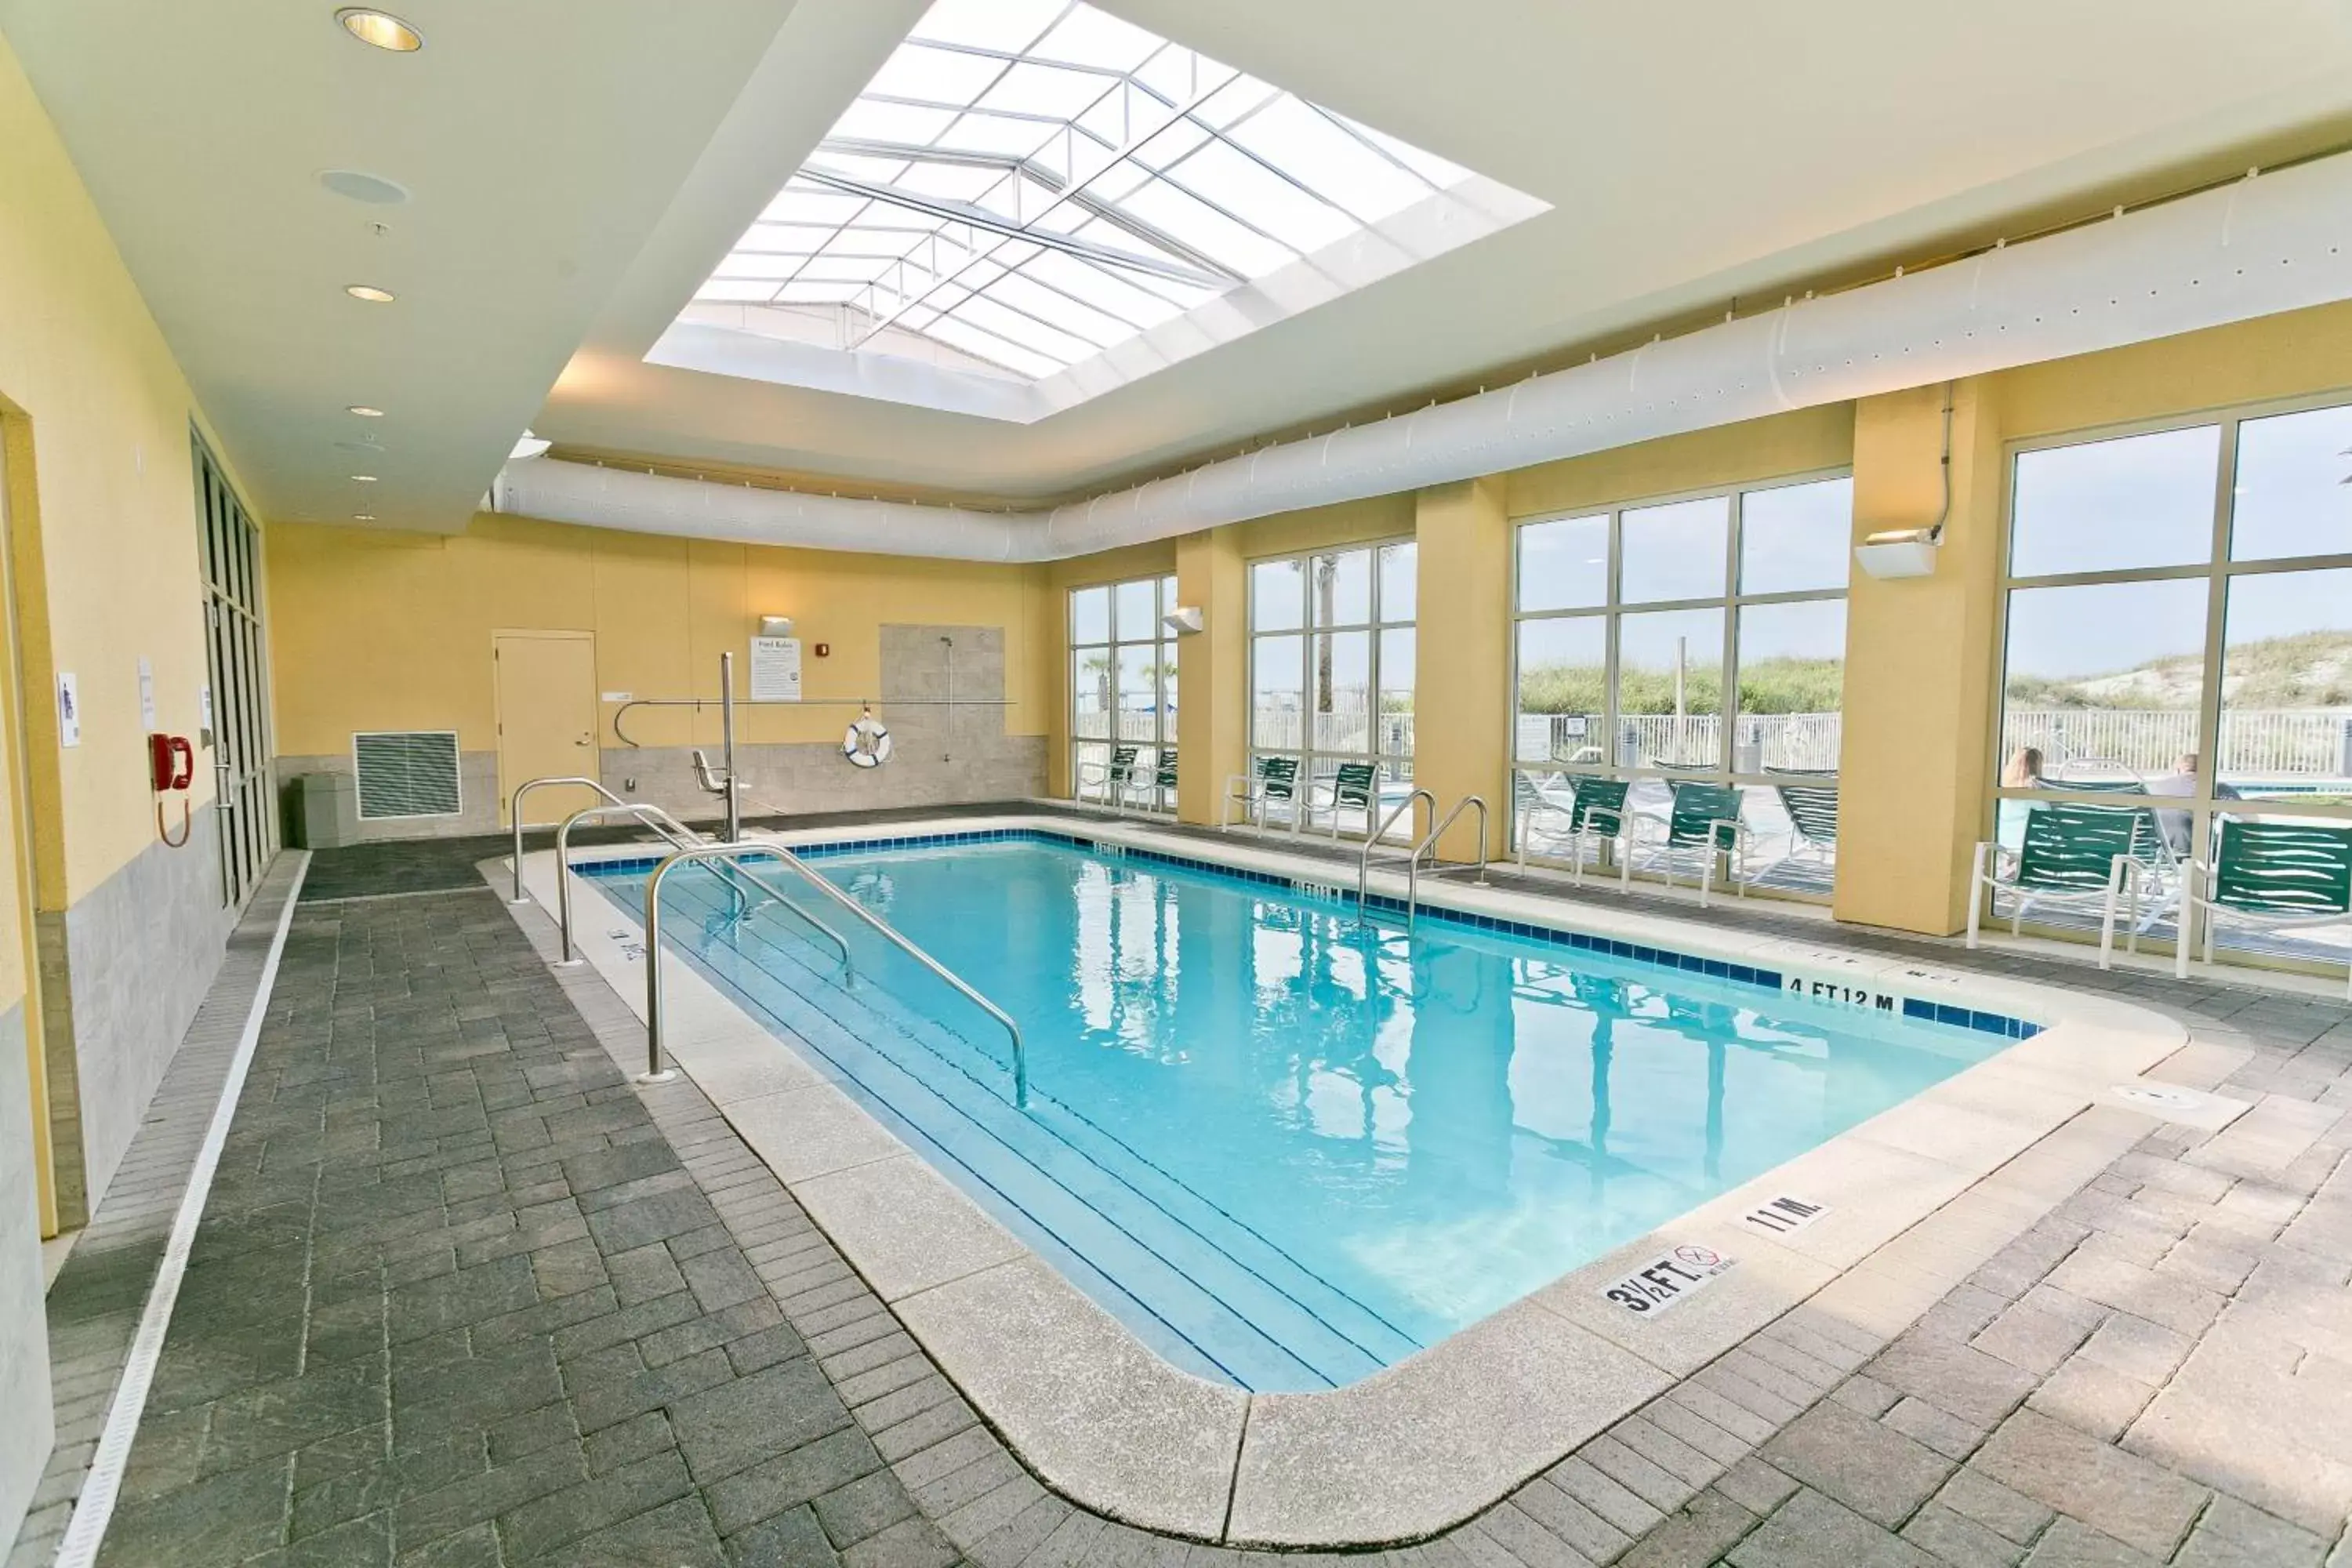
x,y
1777,981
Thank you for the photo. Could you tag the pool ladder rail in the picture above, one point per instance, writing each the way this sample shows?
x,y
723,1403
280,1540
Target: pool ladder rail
x,y
687,845
672,832
732,853
1425,846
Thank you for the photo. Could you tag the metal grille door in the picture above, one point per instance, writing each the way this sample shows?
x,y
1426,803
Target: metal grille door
x,y
235,654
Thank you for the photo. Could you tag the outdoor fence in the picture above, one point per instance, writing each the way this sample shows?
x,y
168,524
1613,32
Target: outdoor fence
x,y
2309,743
2271,742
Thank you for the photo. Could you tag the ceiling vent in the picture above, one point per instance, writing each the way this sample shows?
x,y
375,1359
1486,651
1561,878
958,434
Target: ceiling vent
x,y
405,773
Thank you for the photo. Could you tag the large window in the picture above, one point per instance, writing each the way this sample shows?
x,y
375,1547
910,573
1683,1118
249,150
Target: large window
x,y
2179,630
1331,668
1122,686
1695,640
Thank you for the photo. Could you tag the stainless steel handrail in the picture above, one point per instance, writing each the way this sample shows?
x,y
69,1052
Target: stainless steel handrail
x,y
1372,842
1428,847
679,837
656,1072
729,852
514,810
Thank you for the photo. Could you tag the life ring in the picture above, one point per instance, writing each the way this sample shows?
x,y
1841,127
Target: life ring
x,y
867,741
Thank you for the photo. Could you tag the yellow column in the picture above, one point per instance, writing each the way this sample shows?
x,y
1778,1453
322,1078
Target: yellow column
x,y
1462,709
1920,661
1211,672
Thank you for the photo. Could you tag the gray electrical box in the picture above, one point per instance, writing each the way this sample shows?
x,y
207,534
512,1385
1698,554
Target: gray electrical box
x,y
321,811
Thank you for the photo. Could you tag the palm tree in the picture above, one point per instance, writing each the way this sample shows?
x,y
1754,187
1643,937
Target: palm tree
x,y
1327,577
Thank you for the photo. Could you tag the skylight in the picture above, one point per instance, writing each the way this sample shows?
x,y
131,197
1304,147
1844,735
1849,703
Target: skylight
x,y
1030,183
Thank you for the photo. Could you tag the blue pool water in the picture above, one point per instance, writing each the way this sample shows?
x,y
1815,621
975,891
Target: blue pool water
x,y
1285,1149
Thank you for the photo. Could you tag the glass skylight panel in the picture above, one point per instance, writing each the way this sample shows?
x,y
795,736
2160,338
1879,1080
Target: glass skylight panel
x,y
1086,37
1034,182
935,76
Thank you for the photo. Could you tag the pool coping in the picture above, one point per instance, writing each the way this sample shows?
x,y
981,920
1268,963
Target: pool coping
x,y
1913,1197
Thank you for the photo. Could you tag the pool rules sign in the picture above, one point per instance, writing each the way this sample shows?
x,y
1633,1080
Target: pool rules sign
x,y
775,669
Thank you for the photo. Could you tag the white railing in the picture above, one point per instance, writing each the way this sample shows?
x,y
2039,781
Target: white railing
x,y
2312,742
1350,729
2268,742
1805,742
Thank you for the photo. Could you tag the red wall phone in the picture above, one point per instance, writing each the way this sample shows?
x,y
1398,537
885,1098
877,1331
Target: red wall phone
x,y
170,767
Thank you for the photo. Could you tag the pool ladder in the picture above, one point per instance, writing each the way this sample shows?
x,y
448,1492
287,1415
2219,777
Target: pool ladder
x,y
656,1072
687,846
674,833
1427,845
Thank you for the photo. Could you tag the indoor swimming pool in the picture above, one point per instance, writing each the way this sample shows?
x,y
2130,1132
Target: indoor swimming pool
x,y
1285,1147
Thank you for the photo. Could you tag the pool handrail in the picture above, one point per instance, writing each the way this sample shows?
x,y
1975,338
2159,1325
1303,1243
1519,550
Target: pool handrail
x,y
1373,841
514,814
732,852
678,836
1428,846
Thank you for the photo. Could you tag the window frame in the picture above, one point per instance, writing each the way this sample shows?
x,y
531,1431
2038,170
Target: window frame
x,y
2218,571
1308,753
1613,609
1163,643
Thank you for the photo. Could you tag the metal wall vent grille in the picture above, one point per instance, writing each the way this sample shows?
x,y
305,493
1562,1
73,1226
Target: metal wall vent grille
x,y
406,772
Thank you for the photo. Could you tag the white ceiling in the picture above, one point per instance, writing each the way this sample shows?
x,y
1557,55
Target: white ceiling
x,y
579,164
542,140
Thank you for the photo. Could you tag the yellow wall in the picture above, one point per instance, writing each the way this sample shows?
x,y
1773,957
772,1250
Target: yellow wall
x,y
1774,447
2300,353
1916,758
109,499
1213,673
381,630
1462,706
96,417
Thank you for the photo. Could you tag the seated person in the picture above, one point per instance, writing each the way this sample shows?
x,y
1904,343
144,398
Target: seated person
x,y
2183,780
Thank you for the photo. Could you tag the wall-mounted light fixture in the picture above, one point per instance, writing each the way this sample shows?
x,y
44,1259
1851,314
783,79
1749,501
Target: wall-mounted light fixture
x,y
1184,620
1900,552
775,626
1911,551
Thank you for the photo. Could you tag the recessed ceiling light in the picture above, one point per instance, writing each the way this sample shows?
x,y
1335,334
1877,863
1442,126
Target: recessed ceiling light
x,y
364,479
371,293
381,29
364,412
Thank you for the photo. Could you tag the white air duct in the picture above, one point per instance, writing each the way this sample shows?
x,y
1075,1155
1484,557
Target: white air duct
x,y
2255,247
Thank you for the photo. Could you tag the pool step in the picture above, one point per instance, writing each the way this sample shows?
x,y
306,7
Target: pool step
x,y
1209,1292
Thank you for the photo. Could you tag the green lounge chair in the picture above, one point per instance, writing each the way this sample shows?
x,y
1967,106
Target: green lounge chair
x,y
1355,787
1595,810
1273,782
2274,876
1812,812
1702,828
1163,780
2073,856
1111,779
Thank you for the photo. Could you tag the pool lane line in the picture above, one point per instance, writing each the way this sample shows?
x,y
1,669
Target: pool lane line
x,y
94,1509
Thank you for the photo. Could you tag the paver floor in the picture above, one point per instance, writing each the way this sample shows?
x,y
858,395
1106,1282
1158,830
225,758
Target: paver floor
x,y
466,1295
